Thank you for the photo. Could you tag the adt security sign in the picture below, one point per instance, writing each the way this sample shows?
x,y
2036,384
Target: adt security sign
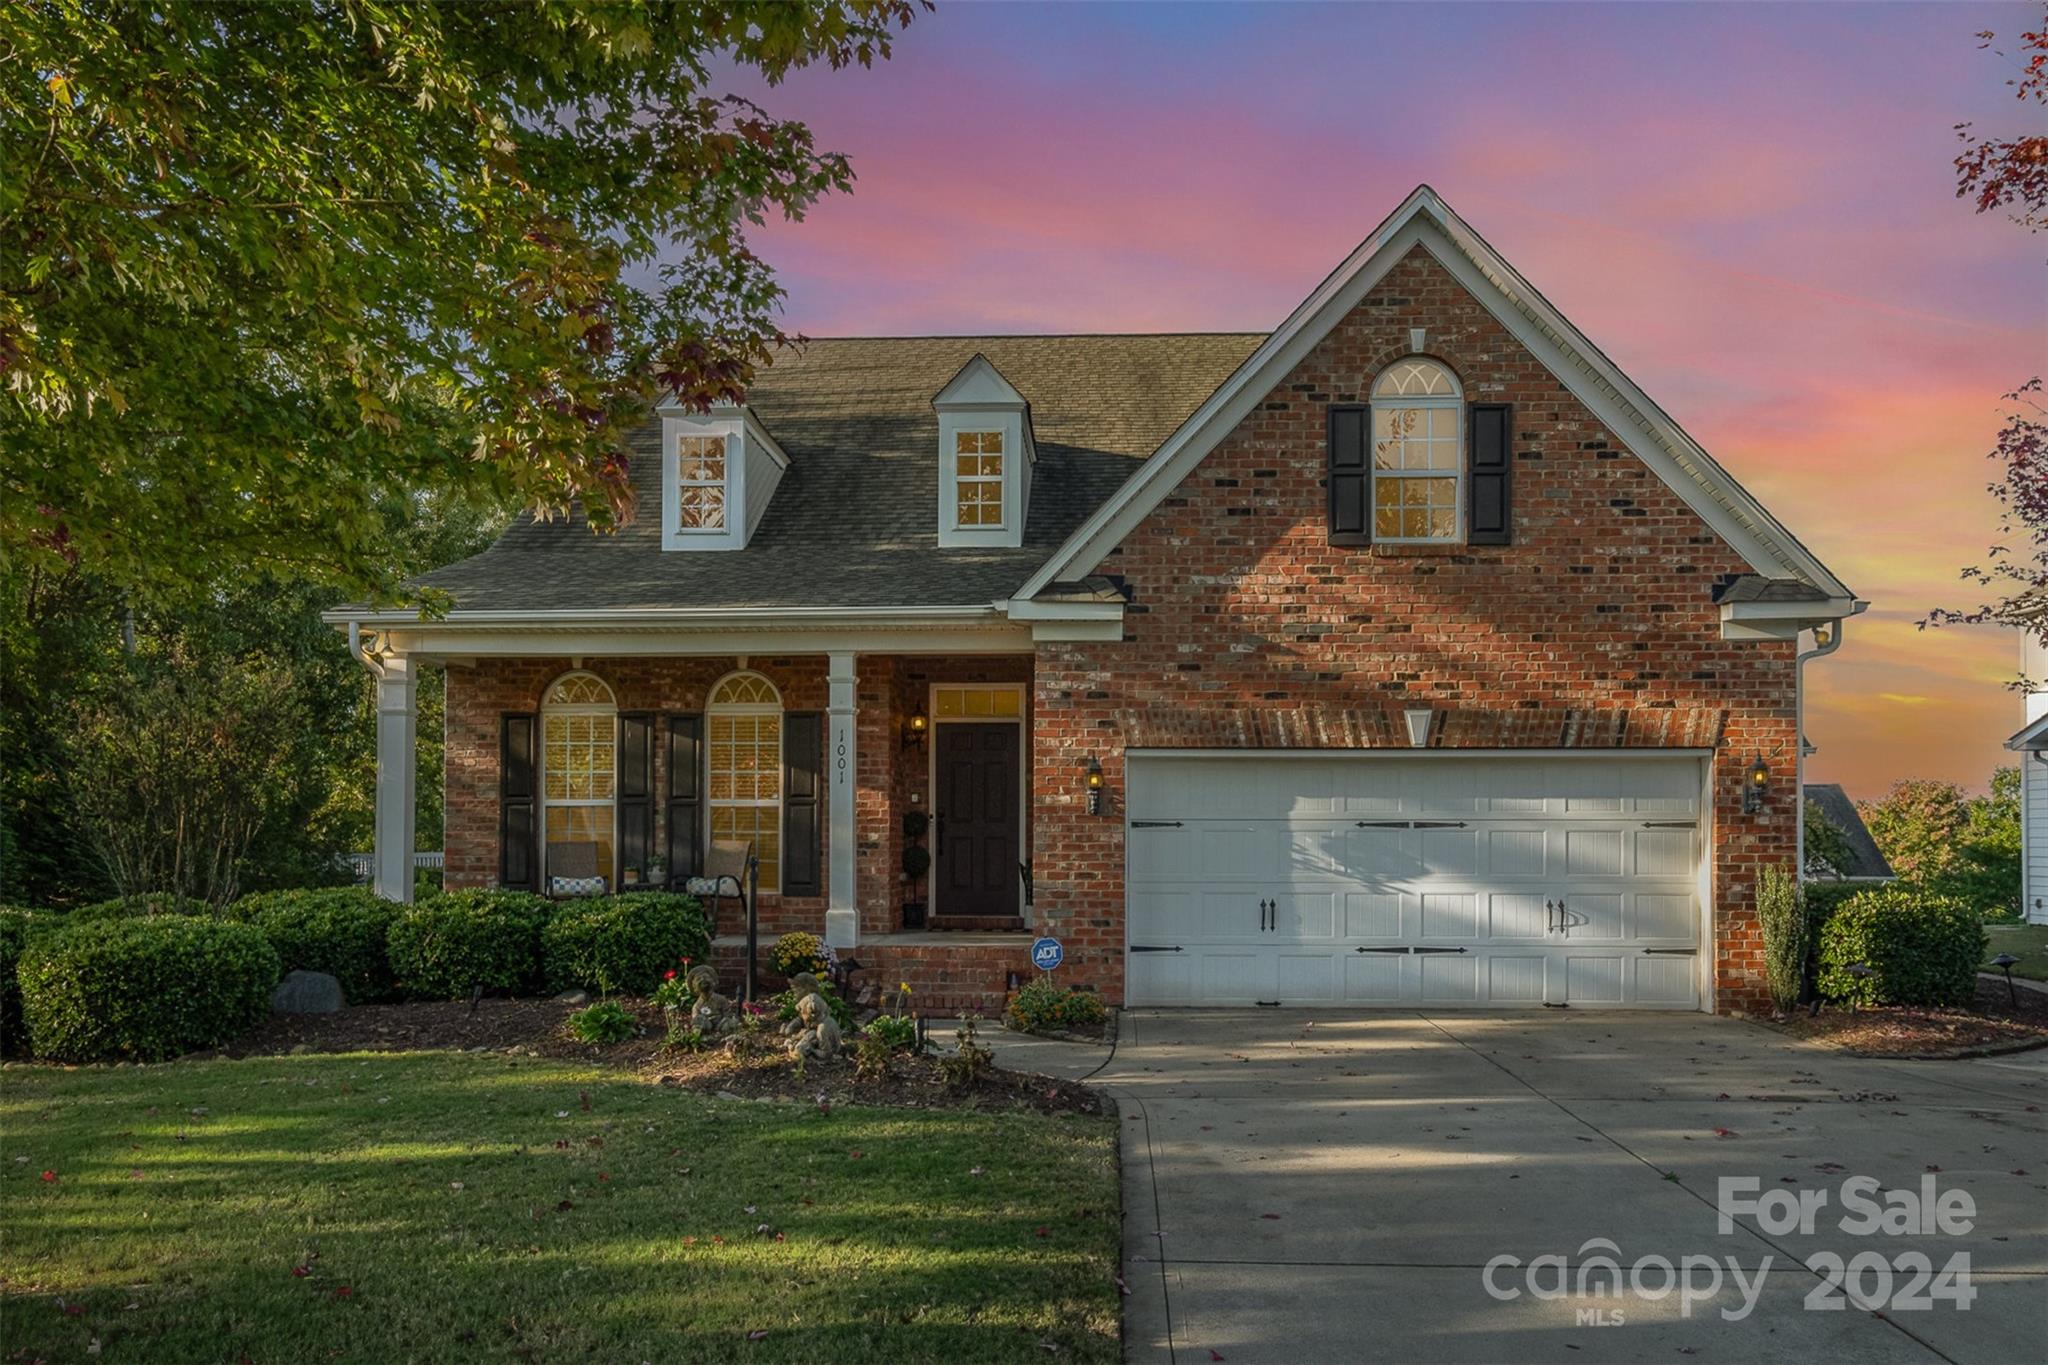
x,y
1047,954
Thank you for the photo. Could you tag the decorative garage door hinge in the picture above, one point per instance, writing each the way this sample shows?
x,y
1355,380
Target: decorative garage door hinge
x,y
1411,824
1154,948
1155,824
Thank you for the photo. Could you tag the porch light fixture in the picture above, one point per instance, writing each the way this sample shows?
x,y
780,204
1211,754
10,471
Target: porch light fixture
x,y
1418,718
915,729
2004,962
1753,784
1092,780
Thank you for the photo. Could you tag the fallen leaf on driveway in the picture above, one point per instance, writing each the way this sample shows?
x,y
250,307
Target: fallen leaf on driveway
x,y
1272,1216
1725,1133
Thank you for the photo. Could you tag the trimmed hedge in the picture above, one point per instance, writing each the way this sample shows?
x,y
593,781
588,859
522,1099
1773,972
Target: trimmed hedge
x,y
622,943
1922,949
144,989
341,930
445,948
136,907
17,925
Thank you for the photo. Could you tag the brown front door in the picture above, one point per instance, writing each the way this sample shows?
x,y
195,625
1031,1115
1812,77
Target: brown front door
x,y
976,814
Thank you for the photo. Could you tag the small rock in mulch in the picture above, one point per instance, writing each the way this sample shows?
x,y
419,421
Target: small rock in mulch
x,y
303,992
1995,1021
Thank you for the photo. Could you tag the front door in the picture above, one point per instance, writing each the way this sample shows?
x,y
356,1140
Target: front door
x,y
976,826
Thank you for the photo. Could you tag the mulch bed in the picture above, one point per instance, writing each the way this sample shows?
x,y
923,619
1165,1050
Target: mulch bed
x,y
535,1028
1992,1024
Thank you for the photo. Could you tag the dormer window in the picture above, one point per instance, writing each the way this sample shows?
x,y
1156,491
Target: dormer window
x,y
718,471
985,457
978,478
700,483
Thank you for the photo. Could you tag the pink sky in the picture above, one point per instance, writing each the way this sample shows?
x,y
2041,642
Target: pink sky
x,y
1750,208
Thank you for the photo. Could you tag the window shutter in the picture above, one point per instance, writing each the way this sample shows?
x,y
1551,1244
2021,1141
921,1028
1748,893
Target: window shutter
x,y
1350,475
1489,513
685,815
635,795
803,752
518,810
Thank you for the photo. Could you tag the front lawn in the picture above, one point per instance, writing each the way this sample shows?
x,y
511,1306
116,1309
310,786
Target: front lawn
x,y
2027,942
428,1206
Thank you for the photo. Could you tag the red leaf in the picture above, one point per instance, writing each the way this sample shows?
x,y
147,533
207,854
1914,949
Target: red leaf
x,y
856,1154
1043,1232
605,1176
300,1272
49,1177
1724,1132
344,1292
1215,1354
1271,1217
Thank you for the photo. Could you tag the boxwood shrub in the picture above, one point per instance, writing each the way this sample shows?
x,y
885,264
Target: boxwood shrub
x,y
1922,948
16,926
143,989
137,907
1042,1007
340,930
623,943
445,948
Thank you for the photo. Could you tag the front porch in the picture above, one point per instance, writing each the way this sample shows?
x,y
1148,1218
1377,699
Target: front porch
x,y
887,794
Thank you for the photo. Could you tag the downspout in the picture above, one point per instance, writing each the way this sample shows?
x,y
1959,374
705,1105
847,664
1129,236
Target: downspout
x,y
1832,630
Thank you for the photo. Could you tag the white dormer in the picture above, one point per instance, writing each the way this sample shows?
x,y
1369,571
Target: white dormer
x,y
985,458
718,471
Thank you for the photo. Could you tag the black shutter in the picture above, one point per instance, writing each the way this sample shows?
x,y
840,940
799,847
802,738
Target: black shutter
x,y
635,795
1489,512
685,818
518,810
803,754
1350,475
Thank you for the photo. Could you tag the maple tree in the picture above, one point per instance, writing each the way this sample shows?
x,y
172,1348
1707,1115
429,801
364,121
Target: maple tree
x,y
266,265
2011,174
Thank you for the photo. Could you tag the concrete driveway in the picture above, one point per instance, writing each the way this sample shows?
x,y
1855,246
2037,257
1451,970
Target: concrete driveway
x,y
1321,1186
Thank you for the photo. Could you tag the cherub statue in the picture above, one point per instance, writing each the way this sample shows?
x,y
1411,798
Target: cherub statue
x,y
712,1011
820,1040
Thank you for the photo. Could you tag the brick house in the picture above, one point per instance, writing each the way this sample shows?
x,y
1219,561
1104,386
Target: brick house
x,y
1408,655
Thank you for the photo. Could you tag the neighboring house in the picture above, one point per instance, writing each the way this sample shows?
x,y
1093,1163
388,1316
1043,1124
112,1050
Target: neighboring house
x,y
2031,744
1866,861
1408,655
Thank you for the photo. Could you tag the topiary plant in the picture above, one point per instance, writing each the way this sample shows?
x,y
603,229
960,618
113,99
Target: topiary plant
x,y
341,930
1921,948
463,941
623,943
144,989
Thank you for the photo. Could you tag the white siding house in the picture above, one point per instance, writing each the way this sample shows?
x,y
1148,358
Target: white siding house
x,y
2031,744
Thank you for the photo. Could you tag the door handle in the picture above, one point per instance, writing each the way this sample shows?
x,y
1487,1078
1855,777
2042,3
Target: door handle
x,y
1564,923
1273,915
1549,916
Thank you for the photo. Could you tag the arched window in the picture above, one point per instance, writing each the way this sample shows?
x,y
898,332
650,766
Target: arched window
x,y
743,768
579,755
1418,452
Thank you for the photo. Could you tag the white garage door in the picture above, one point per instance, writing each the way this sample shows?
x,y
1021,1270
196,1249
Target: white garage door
x,y
1434,882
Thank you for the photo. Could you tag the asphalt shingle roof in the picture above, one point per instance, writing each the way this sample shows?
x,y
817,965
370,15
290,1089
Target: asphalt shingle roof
x,y
854,522
1865,860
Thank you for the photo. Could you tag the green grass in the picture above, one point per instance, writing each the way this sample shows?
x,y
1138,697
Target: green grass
x,y
472,1208
2027,942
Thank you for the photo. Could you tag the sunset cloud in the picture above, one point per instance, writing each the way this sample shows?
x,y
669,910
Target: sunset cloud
x,y
1751,209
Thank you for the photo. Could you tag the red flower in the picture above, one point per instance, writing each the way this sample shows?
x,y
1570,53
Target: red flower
x,y
671,975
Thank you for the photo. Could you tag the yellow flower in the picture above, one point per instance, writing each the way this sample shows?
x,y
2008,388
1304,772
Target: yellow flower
x,y
904,987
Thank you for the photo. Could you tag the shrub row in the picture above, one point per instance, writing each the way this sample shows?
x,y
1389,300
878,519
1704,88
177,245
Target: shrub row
x,y
143,988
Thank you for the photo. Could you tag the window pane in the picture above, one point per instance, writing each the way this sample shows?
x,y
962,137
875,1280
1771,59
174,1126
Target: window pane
x,y
1386,521
966,442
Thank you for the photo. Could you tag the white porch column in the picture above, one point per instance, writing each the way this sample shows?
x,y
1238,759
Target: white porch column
x,y
842,905
397,729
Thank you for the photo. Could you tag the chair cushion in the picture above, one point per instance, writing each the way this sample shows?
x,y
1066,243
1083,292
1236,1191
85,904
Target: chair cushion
x,y
576,886
707,886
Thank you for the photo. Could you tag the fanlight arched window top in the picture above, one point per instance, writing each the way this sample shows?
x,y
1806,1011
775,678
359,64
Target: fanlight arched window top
x,y
745,689
743,769
1415,378
580,689
1418,453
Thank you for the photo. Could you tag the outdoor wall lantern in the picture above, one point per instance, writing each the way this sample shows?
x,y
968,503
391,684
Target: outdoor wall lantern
x,y
914,730
1418,719
1753,783
1092,780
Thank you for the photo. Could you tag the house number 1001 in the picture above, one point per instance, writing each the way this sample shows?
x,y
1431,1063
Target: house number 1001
x,y
839,755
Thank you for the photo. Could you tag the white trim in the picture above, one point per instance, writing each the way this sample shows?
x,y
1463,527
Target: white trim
x,y
674,616
2034,736
1425,220
931,776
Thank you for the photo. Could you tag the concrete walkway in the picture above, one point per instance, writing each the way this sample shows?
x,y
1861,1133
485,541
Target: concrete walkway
x,y
1321,1186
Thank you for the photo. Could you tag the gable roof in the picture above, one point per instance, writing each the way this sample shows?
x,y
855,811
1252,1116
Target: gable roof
x,y
1425,220
1866,861
854,522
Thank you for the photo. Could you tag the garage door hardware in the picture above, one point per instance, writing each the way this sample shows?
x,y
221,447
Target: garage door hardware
x,y
1411,824
1671,952
1155,824
1269,914
1667,824
1154,948
1408,952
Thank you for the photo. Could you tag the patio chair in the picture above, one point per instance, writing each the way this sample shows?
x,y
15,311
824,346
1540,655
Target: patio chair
x,y
729,868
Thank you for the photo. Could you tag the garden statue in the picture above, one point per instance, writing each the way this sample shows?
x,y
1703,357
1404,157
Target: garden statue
x,y
712,1013
820,1040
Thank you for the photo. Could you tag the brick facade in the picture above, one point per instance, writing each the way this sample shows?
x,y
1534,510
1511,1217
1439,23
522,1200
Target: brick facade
x,y
1595,627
